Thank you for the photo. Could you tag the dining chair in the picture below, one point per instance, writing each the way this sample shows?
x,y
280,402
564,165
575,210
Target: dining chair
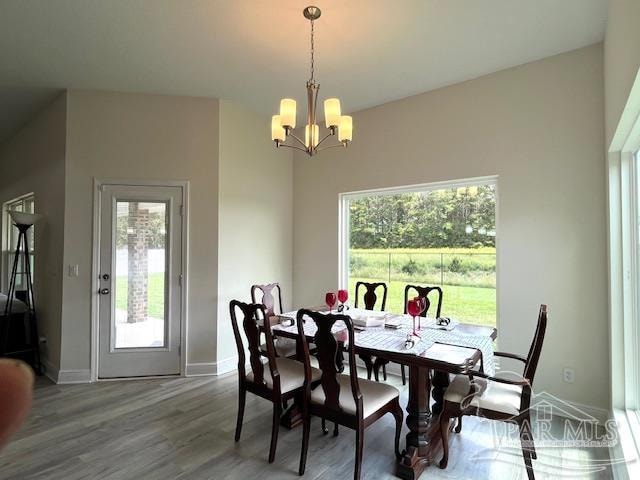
x,y
277,380
496,398
420,291
264,294
344,399
370,299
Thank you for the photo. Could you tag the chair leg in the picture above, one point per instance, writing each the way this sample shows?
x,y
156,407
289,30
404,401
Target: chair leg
x,y
325,430
445,418
384,371
376,370
275,427
359,450
459,424
404,375
242,396
399,416
306,426
335,429
527,424
526,452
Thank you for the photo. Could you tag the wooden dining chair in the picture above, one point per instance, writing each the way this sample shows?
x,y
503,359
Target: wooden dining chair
x,y
16,391
264,294
418,291
502,399
370,300
277,380
344,399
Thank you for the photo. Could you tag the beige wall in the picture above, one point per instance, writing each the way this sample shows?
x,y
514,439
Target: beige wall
x,y
621,59
539,127
150,137
33,161
255,216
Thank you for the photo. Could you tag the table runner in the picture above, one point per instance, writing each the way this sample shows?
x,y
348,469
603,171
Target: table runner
x,y
393,340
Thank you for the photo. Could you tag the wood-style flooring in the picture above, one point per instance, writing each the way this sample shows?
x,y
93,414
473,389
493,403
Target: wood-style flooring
x,y
182,428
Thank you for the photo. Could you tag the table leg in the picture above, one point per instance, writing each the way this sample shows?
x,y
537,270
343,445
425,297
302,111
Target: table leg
x,y
368,362
440,383
417,456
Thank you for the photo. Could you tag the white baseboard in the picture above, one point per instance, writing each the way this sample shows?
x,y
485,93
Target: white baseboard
x,y
74,376
213,368
200,369
51,372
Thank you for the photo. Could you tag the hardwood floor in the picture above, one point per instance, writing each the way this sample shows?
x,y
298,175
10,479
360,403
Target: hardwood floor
x,y
182,428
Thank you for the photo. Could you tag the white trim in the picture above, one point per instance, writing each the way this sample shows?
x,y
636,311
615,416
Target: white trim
x,y
95,265
212,368
74,376
51,372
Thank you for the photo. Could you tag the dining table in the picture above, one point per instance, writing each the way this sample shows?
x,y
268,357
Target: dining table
x,y
437,352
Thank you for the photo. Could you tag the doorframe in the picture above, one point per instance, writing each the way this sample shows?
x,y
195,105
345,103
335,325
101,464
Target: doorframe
x,y
98,183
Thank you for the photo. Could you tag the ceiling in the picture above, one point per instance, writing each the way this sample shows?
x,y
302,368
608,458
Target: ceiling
x,y
257,51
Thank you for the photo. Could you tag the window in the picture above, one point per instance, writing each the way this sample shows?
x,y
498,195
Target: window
x,y
436,235
26,204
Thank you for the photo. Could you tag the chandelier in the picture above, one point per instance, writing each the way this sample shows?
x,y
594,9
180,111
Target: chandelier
x,y
282,125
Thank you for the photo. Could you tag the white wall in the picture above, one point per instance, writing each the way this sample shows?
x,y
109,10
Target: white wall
x,y
255,216
150,137
539,127
33,161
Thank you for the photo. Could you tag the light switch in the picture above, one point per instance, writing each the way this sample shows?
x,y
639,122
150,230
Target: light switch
x,y
73,270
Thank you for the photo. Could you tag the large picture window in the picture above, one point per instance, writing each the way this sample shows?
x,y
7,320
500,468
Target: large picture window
x,y
23,204
433,235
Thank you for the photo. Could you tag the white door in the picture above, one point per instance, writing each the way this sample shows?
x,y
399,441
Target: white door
x,y
140,281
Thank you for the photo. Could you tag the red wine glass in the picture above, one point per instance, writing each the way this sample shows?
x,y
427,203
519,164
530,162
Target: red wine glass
x,y
422,305
330,300
343,296
413,309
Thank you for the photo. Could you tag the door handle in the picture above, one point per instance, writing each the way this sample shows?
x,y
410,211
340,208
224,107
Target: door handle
x,y
104,291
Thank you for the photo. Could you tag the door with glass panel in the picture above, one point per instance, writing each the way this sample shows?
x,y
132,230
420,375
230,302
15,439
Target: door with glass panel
x,y
140,281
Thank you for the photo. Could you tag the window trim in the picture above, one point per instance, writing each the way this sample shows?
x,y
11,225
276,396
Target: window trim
x,y
343,219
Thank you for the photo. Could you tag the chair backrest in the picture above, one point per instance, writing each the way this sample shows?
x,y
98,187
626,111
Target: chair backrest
x,y
266,297
254,321
370,296
536,345
424,292
327,351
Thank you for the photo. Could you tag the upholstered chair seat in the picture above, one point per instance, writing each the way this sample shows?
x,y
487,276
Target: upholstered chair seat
x,y
374,395
291,375
490,395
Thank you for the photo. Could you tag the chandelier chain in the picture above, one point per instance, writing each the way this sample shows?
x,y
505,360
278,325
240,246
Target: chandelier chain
x,y
311,80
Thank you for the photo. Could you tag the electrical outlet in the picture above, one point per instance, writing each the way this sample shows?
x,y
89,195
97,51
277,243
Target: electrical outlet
x,y
568,375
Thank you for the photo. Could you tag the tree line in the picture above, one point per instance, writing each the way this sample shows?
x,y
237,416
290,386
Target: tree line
x,y
454,218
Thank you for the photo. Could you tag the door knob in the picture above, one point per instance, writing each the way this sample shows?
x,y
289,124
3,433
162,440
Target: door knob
x,y
105,291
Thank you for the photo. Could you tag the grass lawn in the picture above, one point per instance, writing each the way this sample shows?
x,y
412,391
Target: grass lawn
x,y
155,292
468,304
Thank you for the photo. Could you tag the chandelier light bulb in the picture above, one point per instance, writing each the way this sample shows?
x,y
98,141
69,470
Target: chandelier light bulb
x,y
288,112
277,130
332,112
345,131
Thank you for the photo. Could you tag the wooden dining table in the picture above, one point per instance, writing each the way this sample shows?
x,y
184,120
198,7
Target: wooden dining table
x,y
428,377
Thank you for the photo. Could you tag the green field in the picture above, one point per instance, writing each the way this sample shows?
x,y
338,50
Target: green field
x,y
467,278
156,294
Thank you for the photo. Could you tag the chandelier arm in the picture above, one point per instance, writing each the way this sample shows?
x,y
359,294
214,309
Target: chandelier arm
x,y
293,146
291,134
332,146
325,137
